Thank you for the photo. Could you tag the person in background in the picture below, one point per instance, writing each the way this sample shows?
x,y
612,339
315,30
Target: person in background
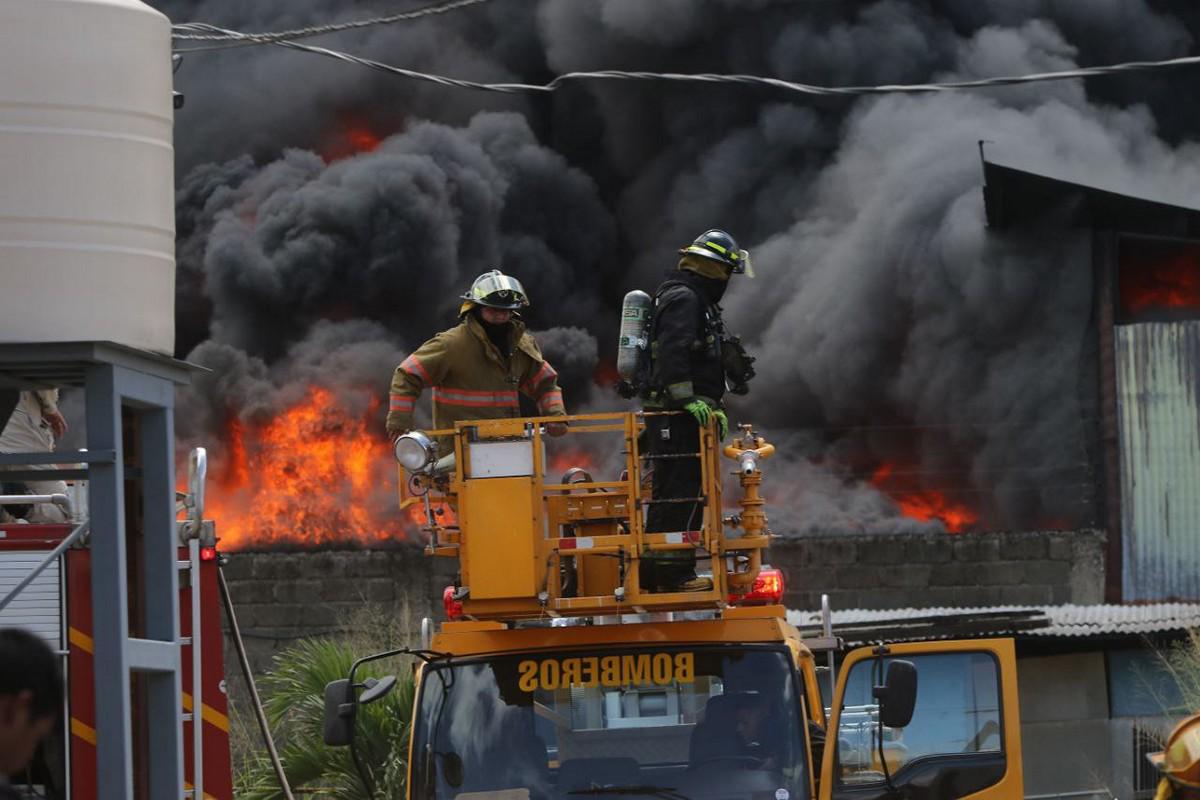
x,y
31,698
33,427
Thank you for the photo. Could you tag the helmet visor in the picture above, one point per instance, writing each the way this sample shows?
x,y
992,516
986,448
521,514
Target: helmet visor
x,y
499,291
743,265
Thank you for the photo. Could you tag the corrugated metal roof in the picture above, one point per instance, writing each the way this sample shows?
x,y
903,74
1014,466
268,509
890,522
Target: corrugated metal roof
x,y
1158,372
1016,192
859,625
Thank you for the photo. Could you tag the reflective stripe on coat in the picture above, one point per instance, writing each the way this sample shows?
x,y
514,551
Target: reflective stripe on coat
x,y
471,379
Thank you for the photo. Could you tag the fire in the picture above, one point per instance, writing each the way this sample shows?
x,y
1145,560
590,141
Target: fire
x,y
563,460
922,505
353,136
605,374
443,513
1171,281
314,475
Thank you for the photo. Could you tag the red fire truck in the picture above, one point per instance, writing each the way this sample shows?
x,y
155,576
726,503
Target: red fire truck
x,y
55,603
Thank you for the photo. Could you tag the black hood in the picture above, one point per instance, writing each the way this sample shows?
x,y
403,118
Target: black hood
x,y
711,289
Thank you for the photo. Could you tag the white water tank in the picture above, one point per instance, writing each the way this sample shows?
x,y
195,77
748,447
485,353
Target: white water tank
x,y
87,209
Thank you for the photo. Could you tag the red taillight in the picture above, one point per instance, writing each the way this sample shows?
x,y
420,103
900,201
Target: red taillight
x,y
454,609
767,588
208,554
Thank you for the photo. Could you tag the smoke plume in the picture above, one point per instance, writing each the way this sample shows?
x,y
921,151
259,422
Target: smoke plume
x,y
328,218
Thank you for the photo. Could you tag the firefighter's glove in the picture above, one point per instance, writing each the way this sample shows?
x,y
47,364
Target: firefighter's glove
x,y
699,409
722,424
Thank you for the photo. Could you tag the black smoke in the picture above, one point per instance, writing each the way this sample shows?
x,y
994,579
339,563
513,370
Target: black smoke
x,y
891,327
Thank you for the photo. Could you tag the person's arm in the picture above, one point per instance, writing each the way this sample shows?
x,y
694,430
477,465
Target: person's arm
x,y
424,368
48,400
675,321
540,383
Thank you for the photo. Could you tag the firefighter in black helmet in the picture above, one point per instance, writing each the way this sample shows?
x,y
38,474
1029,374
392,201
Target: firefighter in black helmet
x,y
687,373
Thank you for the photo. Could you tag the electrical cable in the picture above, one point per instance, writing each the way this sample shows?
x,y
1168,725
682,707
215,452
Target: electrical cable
x,y
738,79
190,30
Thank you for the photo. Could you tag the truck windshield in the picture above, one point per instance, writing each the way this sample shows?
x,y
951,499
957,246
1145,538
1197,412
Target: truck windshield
x,y
661,722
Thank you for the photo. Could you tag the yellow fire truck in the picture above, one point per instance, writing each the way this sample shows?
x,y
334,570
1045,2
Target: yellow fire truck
x,y
558,677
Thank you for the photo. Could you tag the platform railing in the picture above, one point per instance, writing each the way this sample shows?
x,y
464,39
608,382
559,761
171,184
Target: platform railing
x,y
518,535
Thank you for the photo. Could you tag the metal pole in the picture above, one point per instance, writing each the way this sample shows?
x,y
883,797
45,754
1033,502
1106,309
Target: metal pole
x,y
60,500
50,558
258,708
110,588
827,632
162,709
197,676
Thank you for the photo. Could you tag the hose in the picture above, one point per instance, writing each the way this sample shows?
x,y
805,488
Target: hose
x,y
259,713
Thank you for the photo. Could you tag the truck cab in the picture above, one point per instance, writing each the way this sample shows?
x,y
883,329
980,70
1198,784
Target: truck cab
x,y
556,676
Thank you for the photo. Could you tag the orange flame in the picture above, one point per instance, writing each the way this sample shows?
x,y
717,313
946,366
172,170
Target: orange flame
x,y
560,462
605,374
923,505
312,476
352,137
1172,281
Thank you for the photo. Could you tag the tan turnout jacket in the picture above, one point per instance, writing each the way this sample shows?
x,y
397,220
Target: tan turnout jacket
x,y
471,379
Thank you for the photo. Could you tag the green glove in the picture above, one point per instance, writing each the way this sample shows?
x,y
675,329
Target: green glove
x,y
722,424
700,410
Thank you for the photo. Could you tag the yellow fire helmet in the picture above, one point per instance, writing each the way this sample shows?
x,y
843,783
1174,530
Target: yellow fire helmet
x,y
497,290
1180,761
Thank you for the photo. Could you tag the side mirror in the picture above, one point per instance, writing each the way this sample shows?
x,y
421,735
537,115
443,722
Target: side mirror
x,y
340,709
376,689
898,695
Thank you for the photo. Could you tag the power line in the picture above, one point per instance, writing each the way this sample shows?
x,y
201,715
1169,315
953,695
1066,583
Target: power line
x,y
200,31
743,80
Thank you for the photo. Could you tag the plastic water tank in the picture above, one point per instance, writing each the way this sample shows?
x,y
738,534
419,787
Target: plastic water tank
x,y
87,212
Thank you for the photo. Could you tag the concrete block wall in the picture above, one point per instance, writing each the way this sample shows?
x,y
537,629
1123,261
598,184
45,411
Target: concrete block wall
x,y
280,597
927,571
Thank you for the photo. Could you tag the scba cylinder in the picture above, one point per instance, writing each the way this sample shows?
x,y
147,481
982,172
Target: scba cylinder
x,y
635,316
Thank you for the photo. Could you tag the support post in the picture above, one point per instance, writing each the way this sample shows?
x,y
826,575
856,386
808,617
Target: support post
x,y
110,631
164,701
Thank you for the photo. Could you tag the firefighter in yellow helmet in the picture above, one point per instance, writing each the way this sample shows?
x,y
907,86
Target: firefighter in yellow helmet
x,y
476,368
1179,763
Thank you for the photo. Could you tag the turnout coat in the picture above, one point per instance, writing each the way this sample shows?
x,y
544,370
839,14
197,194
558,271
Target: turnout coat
x,y
472,379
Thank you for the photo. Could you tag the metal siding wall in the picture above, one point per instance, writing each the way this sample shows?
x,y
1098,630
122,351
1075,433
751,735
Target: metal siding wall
x,y
39,607
1158,366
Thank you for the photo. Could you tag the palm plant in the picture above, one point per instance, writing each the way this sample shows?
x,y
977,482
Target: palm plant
x,y
294,701
1182,661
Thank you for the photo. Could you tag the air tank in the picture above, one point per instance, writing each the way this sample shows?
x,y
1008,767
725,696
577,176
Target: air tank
x,y
635,316
87,219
